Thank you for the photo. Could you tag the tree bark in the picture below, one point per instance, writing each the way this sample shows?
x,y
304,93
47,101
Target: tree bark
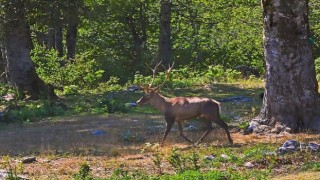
x,y
21,72
51,38
137,23
71,39
2,66
164,44
291,100
58,40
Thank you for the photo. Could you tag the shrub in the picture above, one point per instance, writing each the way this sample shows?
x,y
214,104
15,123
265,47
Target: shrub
x,y
83,72
83,173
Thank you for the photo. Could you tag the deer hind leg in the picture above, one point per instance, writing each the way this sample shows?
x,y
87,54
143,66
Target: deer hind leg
x,y
208,123
225,127
182,133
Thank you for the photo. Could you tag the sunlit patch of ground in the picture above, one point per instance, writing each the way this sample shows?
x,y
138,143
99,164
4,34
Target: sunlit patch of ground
x,y
299,176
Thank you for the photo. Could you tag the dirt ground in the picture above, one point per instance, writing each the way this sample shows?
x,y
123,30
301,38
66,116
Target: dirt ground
x,y
104,142
101,135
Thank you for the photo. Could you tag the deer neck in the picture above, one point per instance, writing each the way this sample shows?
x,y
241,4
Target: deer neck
x,y
160,102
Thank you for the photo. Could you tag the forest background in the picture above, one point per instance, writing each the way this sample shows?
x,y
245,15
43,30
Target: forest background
x,y
84,44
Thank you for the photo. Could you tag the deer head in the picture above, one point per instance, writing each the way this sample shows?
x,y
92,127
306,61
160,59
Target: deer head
x,y
149,91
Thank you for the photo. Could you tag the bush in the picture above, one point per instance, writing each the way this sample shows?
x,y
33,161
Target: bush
x,y
83,72
83,173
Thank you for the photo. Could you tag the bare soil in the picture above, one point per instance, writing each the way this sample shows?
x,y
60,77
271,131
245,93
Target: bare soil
x,y
104,142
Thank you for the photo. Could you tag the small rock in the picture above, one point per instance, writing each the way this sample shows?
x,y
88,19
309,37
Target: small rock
x,y
8,175
287,129
133,88
225,156
275,130
98,132
248,130
209,157
28,160
270,153
261,128
289,146
132,104
314,146
248,165
190,128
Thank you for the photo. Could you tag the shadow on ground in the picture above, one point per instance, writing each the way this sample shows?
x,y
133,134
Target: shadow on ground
x,y
98,135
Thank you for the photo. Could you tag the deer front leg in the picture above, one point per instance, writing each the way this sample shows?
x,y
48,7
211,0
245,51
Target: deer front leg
x,y
169,125
182,134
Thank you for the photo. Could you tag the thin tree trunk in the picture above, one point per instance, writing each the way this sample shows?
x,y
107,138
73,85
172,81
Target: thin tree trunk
x,y
51,38
2,66
71,39
20,70
138,30
291,99
58,40
164,43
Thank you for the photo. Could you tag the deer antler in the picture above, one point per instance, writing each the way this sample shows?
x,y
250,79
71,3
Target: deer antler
x,y
154,71
167,77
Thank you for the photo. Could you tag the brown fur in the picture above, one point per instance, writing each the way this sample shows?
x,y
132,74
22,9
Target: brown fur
x,y
179,109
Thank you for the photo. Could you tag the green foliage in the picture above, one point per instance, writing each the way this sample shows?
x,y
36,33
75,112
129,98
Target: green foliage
x,y
29,112
12,169
83,173
71,90
121,173
315,166
177,161
112,84
192,174
157,156
218,74
99,105
317,66
183,162
82,73
188,77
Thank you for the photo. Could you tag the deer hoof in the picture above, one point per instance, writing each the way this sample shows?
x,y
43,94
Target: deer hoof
x,y
197,143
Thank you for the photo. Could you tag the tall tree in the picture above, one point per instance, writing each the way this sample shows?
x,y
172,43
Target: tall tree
x,y
291,98
164,43
2,65
20,70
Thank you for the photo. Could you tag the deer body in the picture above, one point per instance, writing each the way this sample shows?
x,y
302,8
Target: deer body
x,y
179,109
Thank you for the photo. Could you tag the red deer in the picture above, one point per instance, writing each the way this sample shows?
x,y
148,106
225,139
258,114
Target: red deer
x,y
179,109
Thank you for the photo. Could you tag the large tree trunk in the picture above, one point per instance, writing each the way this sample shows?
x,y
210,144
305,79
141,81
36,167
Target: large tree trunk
x,y
20,70
291,100
164,45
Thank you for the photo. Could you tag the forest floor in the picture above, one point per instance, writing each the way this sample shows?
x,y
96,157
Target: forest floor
x,y
107,142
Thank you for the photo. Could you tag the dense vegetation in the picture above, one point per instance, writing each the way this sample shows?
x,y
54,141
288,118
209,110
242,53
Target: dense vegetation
x,y
116,38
